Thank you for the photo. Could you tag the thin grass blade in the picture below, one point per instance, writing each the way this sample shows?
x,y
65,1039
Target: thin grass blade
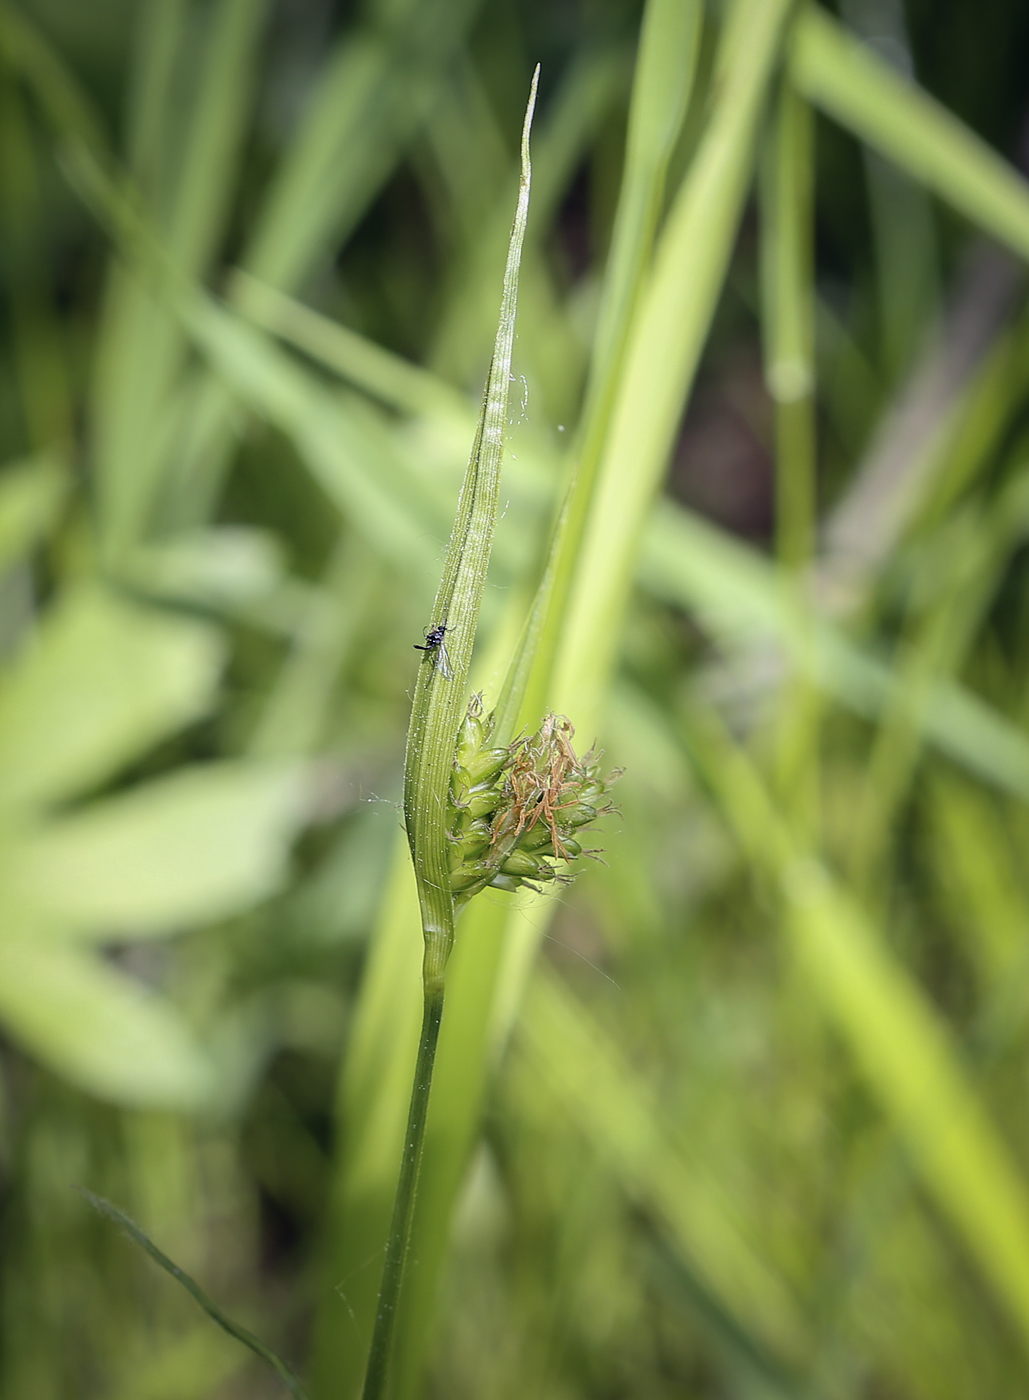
x,y
198,1295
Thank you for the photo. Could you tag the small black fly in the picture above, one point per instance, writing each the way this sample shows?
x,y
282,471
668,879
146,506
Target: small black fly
x,y
436,647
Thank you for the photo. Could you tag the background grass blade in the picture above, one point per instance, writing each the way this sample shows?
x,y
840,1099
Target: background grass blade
x,y
198,1295
666,342
898,1041
838,74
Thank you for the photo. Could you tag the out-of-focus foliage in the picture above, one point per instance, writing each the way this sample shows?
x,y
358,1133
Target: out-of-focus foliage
x,y
742,1112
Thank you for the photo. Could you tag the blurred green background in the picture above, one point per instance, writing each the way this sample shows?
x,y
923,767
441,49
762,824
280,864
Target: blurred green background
x,y
753,1090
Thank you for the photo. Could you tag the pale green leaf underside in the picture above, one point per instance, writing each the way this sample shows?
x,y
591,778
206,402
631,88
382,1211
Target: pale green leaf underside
x,y
97,1028
199,845
99,683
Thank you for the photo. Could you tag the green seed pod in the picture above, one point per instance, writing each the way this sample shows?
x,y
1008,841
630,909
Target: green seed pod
x,y
522,864
483,804
470,873
505,882
580,815
535,839
474,733
485,765
460,784
474,841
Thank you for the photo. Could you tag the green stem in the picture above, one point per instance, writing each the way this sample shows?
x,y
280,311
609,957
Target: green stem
x,y
788,313
403,1205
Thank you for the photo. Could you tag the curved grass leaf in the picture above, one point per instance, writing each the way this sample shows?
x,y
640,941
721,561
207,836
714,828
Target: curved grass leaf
x,y
198,1295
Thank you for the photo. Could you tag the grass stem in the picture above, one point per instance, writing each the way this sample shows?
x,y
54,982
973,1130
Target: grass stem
x,y
403,1205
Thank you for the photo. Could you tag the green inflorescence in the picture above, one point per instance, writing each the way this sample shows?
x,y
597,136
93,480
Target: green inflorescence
x,y
516,810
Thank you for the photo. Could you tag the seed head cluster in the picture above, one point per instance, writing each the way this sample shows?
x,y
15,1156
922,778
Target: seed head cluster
x,y
516,810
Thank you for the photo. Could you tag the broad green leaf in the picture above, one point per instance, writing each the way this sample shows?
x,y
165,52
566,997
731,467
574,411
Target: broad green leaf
x,y
100,682
97,1028
662,88
199,845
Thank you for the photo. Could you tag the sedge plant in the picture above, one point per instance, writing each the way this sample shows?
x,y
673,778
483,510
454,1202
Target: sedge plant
x,y
435,716
478,813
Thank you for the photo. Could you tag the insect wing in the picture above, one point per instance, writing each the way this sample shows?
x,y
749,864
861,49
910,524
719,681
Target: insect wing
x,y
441,660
